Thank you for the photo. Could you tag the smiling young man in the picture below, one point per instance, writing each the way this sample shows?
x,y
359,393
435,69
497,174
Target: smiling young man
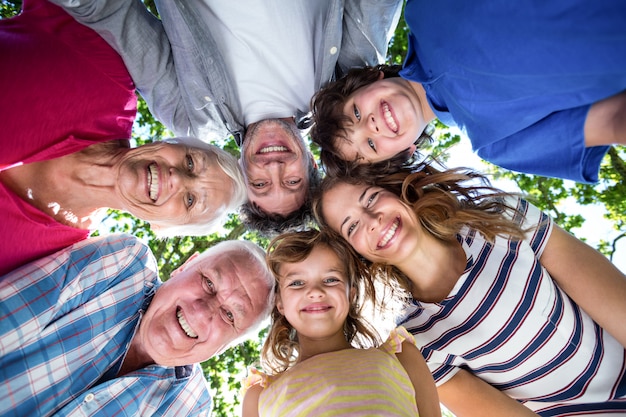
x,y
239,64
91,330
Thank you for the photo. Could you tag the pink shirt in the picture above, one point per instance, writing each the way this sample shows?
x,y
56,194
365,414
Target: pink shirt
x,y
63,89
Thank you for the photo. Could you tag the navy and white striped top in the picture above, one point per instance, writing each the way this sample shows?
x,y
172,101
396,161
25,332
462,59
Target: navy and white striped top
x,y
507,322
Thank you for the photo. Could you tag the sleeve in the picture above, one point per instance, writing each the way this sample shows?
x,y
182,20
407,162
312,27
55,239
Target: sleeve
x,y
537,224
140,38
39,293
393,344
368,26
254,377
552,147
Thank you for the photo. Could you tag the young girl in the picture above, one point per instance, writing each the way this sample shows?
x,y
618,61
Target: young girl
x,y
483,267
516,78
312,355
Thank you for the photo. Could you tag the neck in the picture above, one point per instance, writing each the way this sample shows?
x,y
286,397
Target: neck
x,y
74,189
311,347
434,269
135,358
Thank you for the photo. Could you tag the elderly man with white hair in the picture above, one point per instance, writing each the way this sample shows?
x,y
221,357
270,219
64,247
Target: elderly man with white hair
x,y
91,330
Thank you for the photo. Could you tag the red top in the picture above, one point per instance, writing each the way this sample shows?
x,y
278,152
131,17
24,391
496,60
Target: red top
x,y
62,88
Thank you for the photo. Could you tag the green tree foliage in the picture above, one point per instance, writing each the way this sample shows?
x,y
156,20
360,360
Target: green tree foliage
x,y
225,372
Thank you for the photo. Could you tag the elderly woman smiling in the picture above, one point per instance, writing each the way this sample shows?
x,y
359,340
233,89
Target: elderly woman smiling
x,y
65,158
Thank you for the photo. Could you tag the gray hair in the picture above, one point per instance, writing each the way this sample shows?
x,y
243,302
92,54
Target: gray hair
x,y
258,270
228,163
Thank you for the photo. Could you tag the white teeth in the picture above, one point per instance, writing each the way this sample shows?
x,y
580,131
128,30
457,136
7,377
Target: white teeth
x,y
153,178
390,233
185,326
274,149
389,118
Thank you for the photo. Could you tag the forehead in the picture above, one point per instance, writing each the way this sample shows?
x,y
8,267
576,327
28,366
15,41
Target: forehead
x,y
321,259
338,200
238,278
279,200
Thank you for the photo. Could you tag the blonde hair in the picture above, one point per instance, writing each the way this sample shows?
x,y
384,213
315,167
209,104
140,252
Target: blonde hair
x,y
281,348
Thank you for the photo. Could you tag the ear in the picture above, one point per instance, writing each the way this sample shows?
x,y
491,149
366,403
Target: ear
x,y
412,149
352,295
185,265
381,75
279,304
313,161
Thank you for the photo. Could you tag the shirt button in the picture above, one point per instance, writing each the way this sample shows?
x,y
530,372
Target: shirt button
x,y
333,50
89,397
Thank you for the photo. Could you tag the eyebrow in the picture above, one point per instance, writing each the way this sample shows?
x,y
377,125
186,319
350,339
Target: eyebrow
x,y
239,308
360,200
266,192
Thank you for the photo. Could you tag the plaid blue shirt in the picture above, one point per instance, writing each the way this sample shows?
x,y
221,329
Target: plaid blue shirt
x,y
66,322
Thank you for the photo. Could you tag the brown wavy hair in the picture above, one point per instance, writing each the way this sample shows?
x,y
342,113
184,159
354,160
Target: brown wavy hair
x,y
444,202
330,123
280,351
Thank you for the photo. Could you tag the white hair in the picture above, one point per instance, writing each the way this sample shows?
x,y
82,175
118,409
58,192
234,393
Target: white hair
x,y
258,269
228,163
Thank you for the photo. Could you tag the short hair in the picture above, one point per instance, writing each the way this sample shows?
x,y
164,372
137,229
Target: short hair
x,y
272,224
228,164
330,122
258,269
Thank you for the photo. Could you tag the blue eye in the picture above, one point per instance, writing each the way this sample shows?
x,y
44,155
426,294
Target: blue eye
x,y
370,142
189,200
208,284
228,316
357,114
189,162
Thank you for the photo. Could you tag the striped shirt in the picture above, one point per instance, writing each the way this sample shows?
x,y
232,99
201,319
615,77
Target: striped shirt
x,y
66,322
508,323
348,382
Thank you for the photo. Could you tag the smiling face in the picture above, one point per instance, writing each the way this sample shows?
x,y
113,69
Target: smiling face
x,y
386,120
314,295
376,223
172,182
204,307
276,165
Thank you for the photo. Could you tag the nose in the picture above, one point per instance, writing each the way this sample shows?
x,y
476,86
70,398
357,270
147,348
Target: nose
x,y
275,170
178,181
371,123
373,220
316,292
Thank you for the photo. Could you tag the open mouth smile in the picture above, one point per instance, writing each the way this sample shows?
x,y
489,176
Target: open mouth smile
x,y
153,182
389,234
184,325
316,308
388,117
273,148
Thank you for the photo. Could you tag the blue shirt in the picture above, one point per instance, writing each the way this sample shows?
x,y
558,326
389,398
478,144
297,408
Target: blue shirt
x,y
519,77
66,322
